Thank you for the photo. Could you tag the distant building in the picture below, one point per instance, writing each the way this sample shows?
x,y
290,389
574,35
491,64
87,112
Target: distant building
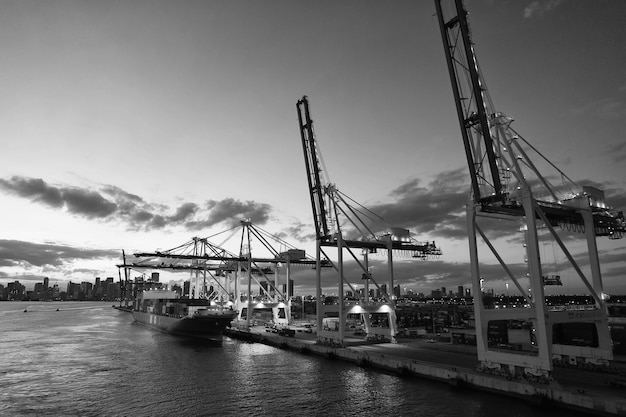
x,y
396,291
73,291
112,290
56,292
86,289
15,291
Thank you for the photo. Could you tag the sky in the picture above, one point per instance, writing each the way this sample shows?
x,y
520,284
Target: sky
x,y
135,125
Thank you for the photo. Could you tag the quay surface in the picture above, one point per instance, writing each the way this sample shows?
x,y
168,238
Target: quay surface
x,y
586,391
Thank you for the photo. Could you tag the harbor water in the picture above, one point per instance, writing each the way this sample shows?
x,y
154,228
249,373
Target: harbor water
x,y
88,359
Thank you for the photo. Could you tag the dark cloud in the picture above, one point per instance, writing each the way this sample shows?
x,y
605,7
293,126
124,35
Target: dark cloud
x,y
112,204
437,208
87,203
184,212
20,253
232,211
35,189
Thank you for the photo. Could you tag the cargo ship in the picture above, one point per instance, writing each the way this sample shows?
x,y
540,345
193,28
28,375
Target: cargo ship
x,y
196,318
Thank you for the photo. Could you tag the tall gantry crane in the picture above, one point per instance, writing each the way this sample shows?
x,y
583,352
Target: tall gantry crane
x,y
507,184
342,223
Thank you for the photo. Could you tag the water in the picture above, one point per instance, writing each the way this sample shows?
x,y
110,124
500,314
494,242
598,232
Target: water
x,y
88,359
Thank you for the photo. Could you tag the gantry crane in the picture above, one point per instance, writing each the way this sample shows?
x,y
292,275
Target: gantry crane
x,y
211,264
507,184
342,223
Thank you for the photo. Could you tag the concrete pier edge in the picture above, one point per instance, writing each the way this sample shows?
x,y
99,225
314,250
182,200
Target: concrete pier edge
x,y
551,394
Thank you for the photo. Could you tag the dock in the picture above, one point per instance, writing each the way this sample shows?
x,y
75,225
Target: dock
x,y
582,390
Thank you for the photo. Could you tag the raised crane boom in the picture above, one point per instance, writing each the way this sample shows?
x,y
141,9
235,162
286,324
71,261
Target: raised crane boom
x,y
468,90
502,164
311,161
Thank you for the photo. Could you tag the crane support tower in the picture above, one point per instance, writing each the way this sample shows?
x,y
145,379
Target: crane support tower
x,y
507,185
343,224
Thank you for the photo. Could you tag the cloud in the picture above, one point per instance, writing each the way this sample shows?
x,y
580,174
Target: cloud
x,y
24,254
233,211
437,208
539,8
35,189
298,231
87,203
112,204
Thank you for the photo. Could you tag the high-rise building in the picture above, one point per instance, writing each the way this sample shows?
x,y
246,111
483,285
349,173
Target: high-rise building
x,y
56,292
15,291
380,293
460,292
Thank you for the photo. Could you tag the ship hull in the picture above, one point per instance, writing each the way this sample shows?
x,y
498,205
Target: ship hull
x,y
210,327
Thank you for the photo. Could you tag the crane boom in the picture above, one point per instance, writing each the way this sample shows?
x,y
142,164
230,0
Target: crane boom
x,y
311,161
502,164
470,104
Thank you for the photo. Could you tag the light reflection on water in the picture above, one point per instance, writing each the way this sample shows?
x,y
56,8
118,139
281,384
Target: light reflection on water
x,y
88,359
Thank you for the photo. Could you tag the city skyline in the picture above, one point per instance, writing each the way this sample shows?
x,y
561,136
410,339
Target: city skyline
x,y
134,126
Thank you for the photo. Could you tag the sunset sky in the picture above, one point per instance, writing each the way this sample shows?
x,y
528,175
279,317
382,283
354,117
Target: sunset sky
x,y
137,124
